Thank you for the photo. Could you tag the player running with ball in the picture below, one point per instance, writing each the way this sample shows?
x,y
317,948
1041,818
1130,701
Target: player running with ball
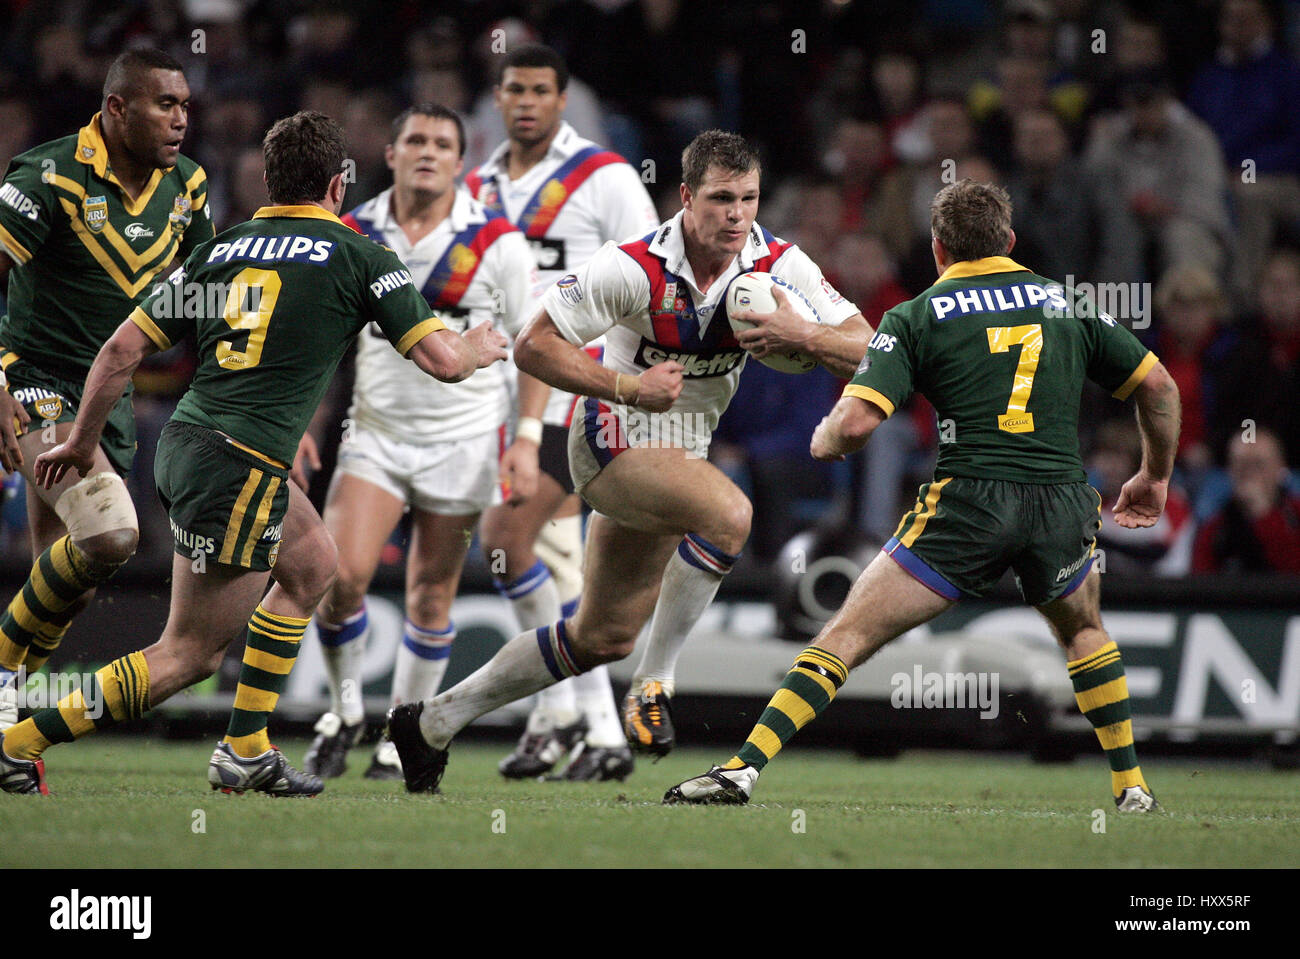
x,y
1003,353
667,525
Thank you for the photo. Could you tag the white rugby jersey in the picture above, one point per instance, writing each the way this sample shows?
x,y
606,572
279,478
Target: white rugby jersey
x,y
642,296
577,198
475,266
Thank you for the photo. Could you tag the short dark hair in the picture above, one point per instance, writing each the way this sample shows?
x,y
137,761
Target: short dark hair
x,y
435,110
730,151
536,55
972,220
126,73
303,153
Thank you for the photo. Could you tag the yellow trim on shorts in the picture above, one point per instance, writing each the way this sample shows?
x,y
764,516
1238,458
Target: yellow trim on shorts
x,y
1138,375
259,523
871,396
237,516
261,456
928,509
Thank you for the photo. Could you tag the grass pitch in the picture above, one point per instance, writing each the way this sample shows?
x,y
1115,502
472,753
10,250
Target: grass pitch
x,y
139,802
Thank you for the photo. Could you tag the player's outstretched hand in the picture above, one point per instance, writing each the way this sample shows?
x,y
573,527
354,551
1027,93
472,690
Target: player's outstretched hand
x,y
1141,501
489,342
13,423
782,330
305,462
660,386
52,465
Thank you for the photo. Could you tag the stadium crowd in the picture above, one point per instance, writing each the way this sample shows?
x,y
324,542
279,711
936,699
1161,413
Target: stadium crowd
x,y
1150,148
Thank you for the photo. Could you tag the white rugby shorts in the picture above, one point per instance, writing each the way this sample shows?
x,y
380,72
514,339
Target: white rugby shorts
x,y
600,431
451,478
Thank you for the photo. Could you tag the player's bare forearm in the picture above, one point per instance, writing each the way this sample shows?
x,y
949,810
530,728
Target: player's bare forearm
x,y
107,381
1159,416
845,429
533,394
447,356
840,348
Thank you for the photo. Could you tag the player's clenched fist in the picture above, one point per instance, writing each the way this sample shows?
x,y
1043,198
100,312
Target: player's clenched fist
x,y
488,342
659,387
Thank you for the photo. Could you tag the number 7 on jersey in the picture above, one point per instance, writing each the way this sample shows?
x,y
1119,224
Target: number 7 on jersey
x,y
1030,340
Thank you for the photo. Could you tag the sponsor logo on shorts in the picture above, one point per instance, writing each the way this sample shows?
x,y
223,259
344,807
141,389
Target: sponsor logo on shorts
x,y
695,365
50,407
1067,571
31,395
273,555
273,532
192,542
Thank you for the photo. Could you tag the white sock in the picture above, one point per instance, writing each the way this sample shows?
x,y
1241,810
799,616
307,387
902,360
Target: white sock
x,y
529,662
691,580
595,698
421,662
534,597
343,647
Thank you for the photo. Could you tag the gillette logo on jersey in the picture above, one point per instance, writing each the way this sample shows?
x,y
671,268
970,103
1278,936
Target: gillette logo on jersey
x,y
711,351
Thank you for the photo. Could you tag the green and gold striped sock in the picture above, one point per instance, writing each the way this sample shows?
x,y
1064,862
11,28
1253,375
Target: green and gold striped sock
x,y
120,692
38,616
269,653
809,687
1101,690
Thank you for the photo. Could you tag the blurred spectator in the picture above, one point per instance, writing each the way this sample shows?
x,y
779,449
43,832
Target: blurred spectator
x,y
856,159
1163,549
1138,48
246,188
1159,188
1258,530
902,215
67,82
1052,217
226,128
1249,95
1023,84
898,85
582,109
368,123
1192,344
1259,380
17,129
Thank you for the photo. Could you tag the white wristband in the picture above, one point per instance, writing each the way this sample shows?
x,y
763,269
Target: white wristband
x,y
529,428
4,381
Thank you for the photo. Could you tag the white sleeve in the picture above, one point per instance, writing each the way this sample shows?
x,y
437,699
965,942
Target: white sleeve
x,y
626,210
514,273
606,289
798,268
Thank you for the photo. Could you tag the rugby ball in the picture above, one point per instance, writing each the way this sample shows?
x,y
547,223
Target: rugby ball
x,y
753,292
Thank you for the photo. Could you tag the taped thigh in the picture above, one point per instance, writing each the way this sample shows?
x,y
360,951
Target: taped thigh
x,y
98,504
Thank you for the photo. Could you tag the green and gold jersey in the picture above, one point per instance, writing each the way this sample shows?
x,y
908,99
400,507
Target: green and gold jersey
x,y
1002,354
273,304
86,253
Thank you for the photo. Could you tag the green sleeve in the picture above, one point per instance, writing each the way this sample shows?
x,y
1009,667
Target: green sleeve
x,y
886,374
392,301
28,206
200,228
162,316
1117,361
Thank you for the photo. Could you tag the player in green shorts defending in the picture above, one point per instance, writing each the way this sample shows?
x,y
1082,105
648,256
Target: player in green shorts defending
x,y
1002,353
86,224
273,304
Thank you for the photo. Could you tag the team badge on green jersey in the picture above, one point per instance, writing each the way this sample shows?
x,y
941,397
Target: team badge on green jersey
x,y
94,211
180,214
